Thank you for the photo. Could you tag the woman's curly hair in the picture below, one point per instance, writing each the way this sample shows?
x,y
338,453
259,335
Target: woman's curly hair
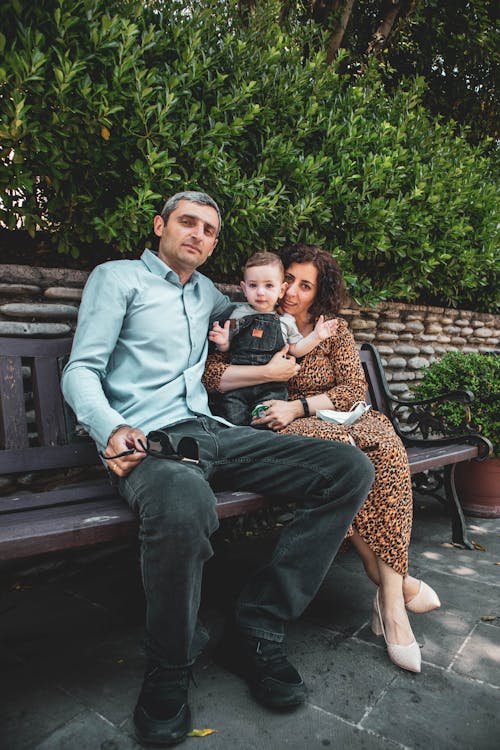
x,y
331,294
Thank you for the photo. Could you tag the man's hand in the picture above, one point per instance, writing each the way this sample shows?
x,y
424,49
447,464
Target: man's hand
x,y
325,328
281,367
125,439
220,335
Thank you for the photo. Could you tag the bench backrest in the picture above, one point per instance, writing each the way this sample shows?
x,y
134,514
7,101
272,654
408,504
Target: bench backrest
x,y
34,418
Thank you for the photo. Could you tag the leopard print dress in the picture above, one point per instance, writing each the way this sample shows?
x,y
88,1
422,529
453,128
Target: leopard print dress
x,y
334,368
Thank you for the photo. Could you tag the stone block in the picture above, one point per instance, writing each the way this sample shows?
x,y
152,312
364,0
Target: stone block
x,y
38,310
383,349
360,324
57,292
402,375
386,337
363,336
15,328
391,326
484,333
397,363
434,327
417,363
21,290
406,349
398,389
415,326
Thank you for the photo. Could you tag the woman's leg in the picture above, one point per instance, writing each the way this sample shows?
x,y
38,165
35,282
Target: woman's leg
x,y
370,563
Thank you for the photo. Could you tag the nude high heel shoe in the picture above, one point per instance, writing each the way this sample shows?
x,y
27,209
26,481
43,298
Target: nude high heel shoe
x,y
425,600
407,657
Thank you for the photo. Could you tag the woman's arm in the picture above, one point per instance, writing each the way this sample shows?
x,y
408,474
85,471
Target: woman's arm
x,y
281,413
223,377
336,369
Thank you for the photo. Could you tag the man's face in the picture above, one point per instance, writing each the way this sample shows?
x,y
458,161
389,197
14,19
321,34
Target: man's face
x,y
188,238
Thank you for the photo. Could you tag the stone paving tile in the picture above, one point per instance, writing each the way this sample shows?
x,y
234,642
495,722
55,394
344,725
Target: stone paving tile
x,y
55,611
480,656
222,702
344,677
30,709
87,731
437,710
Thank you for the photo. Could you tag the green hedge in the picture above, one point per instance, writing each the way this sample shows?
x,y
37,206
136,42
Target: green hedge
x,y
108,107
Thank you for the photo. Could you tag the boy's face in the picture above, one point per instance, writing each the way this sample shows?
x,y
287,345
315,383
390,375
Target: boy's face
x,y
263,286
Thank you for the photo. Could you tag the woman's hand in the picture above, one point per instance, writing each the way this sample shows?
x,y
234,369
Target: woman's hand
x,y
281,367
279,414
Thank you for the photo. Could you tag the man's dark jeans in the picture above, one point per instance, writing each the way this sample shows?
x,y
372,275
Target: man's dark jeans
x,y
329,481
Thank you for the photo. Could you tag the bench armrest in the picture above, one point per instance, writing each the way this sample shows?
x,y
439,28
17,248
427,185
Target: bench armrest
x,y
415,420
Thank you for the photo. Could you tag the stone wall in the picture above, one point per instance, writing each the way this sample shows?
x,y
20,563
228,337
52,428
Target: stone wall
x,y
44,302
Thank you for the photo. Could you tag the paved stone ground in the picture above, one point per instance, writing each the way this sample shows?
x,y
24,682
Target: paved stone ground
x,y
71,663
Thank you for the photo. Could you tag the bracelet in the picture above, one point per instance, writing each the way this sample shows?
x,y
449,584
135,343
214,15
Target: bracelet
x,y
305,406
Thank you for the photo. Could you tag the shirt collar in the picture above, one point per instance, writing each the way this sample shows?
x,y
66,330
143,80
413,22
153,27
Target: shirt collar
x,y
157,266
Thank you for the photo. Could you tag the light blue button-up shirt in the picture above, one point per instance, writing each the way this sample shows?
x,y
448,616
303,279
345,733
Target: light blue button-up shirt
x,y
140,347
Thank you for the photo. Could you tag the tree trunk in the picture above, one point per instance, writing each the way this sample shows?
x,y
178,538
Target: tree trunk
x,y
393,9
337,36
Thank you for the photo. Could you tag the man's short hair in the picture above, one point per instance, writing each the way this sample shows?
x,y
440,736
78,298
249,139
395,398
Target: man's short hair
x,y
264,259
195,197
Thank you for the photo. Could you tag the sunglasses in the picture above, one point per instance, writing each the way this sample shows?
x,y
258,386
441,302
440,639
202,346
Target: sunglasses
x,y
158,445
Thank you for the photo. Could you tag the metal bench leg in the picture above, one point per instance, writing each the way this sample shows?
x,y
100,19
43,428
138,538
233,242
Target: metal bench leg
x,y
458,528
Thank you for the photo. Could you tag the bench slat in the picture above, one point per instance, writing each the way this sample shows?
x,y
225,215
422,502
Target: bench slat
x,y
421,459
47,529
49,409
47,457
13,426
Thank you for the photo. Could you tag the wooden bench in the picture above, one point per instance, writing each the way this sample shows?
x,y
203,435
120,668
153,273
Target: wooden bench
x,y
58,513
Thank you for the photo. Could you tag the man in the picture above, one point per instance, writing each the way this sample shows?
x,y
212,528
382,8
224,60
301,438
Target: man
x,y
136,366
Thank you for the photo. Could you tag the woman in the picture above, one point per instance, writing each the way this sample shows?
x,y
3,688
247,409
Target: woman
x,y
331,377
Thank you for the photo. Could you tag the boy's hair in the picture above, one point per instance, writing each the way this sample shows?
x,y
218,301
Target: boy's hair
x,y
264,259
203,199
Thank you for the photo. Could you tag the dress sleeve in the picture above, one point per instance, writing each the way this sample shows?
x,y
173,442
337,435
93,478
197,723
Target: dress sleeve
x,y
215,367
349,384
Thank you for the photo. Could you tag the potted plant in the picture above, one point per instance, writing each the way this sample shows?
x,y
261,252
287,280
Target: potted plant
x,y
477,483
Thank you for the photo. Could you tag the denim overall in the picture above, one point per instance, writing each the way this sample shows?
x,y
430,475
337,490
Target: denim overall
x,y
254,340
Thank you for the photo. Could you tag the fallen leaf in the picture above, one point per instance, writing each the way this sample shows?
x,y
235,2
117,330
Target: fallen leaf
x,y
488,618
497,563
448,545
200,732
478,546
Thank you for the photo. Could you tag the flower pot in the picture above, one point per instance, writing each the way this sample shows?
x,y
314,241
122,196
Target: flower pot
x,y
478,487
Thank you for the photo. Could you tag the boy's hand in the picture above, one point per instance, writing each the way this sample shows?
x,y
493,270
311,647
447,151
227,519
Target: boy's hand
x,y
325,328
220,335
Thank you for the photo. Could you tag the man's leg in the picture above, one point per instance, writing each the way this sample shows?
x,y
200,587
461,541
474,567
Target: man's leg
x,y
329,482
176,508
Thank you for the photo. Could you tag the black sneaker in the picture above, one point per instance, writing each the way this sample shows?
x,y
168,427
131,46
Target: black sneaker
x,y
273,681
162,715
